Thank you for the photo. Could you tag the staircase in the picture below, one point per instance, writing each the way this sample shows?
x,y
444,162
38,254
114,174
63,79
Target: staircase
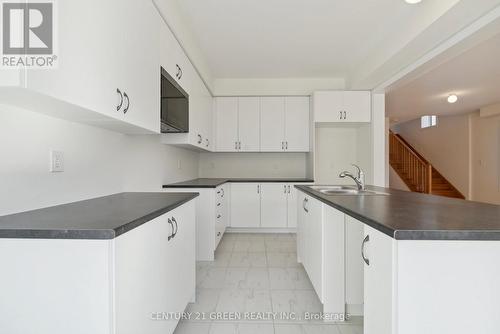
x,y
416,172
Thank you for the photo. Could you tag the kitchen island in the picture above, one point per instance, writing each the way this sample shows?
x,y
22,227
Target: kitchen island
x,y
429,263
102,265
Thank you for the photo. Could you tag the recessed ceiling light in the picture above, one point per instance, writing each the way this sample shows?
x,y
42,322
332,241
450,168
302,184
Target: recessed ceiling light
x,y
452,98
413,1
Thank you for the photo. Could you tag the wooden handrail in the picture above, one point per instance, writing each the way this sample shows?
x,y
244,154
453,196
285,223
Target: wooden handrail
x,y
416,170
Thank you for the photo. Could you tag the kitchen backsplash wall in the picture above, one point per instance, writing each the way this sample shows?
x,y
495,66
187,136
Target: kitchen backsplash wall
x,y
97,162
253,165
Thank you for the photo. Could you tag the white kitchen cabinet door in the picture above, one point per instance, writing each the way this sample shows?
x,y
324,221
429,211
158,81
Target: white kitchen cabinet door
x,y
314,240
354,265
378,282
292,206
357,106
272,124
273,201
342,106
245,205
144,280
87,74
328,106
297,123
226,123
301,227
184,255
249,124
139,72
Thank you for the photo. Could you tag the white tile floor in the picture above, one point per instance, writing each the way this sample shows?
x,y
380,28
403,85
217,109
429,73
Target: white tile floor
x,y
257,273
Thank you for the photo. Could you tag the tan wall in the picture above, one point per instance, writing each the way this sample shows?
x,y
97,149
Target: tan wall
x,y
485,158
447,147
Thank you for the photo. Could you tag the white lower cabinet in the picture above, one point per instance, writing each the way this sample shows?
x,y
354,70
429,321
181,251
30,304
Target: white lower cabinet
x,y
155,271
377,249
245,205
110,286
273,207
322,244
212,218
263,205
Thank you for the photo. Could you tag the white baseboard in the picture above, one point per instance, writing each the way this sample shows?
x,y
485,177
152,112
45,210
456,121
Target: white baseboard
x,y
354,309
259,230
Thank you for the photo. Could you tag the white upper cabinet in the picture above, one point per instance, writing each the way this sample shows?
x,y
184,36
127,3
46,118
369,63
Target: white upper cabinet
x,y
248,124
139,71
107,71
265,124
226,124
285,124
342,106
297,120
272,124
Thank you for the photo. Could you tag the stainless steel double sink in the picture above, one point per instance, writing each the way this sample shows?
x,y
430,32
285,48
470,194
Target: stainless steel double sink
x,y
345,190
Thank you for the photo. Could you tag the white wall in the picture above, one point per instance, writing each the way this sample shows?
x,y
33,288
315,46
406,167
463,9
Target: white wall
x,y
446,147
275,86
336,148
97,162
253,165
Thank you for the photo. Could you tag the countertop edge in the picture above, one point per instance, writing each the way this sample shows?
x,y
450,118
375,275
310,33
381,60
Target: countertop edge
x,y
235,180
92,234
411,235
140,221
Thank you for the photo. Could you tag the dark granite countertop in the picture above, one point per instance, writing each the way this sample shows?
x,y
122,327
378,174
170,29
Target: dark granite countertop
x,y
99,218
406,215
213,183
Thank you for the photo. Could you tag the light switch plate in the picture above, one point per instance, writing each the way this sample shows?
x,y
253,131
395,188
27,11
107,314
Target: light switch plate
x,y
56,161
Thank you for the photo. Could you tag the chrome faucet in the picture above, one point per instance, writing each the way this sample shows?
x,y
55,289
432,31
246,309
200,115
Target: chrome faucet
x,y
360,179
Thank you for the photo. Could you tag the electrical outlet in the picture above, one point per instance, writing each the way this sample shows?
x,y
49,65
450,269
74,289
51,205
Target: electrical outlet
x,y
56,161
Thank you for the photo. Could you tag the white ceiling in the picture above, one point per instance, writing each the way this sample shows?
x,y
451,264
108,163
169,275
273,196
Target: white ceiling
x,y
473,75
301,38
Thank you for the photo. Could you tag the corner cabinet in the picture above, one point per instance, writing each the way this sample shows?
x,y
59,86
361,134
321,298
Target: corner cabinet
x,y
342,106
262,124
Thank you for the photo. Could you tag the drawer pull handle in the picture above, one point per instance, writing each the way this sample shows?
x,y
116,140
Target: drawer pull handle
x,y
176,227
367,261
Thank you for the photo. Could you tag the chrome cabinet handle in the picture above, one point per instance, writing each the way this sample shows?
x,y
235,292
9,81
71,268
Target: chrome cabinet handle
x,y
367,261
119,105
286,145
345,115
176,227
284,189
282,145
180,75
218,216
235,145
258,189
200,139
222,192
218,234
170,236
288,188
304,205
239,145
208,142
218,204
128,103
